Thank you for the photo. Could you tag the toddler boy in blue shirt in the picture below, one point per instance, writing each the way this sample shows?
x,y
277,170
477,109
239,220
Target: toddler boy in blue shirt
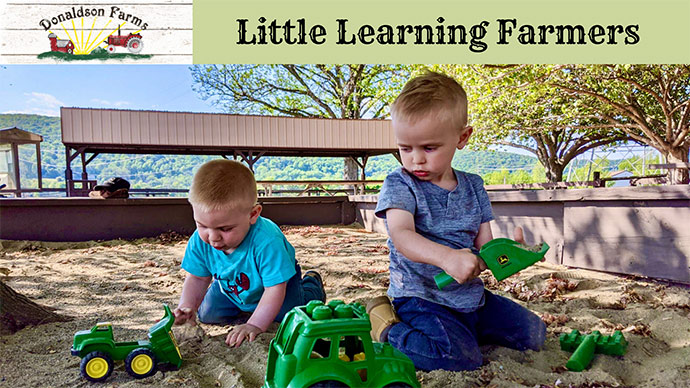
x,y
245,258
437,218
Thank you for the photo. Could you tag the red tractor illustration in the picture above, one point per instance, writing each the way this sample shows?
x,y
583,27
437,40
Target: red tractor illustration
x,y
132,42
61,45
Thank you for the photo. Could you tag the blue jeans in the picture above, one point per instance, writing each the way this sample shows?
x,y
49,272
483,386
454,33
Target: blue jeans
x,y
438,337
217,308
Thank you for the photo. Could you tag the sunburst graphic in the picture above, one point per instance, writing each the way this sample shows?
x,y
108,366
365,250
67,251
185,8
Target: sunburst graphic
x,y
95,38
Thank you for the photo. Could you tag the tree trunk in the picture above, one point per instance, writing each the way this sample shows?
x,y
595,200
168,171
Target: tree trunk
x,y
554,171
17,311
678,155
351,170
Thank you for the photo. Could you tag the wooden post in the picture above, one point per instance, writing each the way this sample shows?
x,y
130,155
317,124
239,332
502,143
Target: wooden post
x,y
38,167
15,160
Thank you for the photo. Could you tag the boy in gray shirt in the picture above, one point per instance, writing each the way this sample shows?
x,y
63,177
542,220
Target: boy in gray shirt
x,y
437,218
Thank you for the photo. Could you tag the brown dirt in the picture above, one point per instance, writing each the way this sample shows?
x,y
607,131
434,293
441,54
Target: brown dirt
x,y
125,282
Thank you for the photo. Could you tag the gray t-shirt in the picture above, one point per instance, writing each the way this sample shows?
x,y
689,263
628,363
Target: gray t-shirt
x,y
451,218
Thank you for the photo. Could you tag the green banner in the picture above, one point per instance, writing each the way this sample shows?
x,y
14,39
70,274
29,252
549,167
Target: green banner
x,y
441,31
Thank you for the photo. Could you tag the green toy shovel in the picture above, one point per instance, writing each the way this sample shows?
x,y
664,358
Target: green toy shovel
x,y
504,257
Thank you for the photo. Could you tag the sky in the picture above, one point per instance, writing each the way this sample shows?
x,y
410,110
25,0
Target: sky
x,y
43,89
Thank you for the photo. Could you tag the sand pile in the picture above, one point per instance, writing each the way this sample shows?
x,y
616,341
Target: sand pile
x,y
126,283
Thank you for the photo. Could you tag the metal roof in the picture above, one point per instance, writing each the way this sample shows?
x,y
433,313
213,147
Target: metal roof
x,y
136,131
18,136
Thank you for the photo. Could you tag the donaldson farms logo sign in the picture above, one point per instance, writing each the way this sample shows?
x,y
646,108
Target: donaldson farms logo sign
x,y
87,32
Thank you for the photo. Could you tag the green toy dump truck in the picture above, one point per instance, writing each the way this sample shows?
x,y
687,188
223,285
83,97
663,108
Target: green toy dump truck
x,y
97,350
329,345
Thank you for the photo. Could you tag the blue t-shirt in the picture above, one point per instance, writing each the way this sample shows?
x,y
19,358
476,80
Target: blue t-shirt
x,y
263,259
450,218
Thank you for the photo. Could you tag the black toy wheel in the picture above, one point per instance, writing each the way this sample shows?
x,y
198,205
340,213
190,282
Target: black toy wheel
x,y
96,366
328,384
140,363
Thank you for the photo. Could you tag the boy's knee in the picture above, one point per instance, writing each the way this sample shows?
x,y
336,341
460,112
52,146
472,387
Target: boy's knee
x,y
458,360
431,355
534,334
537,336
463,359
207,314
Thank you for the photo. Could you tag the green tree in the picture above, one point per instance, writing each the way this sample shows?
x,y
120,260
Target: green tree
x,y
516,106
649,103
334,91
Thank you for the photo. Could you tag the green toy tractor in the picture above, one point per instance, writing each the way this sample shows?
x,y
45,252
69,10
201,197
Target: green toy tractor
x,y
329,345
97,350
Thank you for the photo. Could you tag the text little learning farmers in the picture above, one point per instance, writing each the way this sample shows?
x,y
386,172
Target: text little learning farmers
x,y
113,12
508,30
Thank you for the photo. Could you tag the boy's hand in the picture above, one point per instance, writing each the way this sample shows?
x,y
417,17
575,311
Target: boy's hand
x,y
518,235
184,314
239,333
463,265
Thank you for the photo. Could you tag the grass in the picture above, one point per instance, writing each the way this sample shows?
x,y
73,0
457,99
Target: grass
x,y
97,54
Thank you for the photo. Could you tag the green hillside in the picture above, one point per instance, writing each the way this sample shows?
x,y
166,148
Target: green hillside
x,y
175,171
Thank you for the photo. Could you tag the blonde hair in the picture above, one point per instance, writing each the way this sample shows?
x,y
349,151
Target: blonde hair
x,y
223,184
432,93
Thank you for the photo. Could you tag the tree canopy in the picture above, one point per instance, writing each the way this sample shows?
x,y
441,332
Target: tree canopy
x,y
351,91
515,105
649,103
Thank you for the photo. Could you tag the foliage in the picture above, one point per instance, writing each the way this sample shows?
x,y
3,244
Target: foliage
x,y
515,106
649,103
334,91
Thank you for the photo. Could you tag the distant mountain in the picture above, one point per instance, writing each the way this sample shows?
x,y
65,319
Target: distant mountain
x,y
176,171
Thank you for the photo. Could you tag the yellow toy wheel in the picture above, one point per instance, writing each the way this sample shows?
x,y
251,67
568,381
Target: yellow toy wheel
x,y
96,366
140,363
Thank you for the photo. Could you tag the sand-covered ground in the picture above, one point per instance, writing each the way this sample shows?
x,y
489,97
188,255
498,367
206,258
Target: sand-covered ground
x,y
126,283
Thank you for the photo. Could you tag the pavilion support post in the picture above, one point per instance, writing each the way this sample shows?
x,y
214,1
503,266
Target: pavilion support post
x,y
68,165
92,157
38,166
15,160
84,174
396,155
69,157
249,158
362,164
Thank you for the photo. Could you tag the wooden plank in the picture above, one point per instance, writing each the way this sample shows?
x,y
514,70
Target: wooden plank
x,y
648,238
681,166
28,17
320,182
610,193
14,59
90,2
541,222
165,26
546,185
156,42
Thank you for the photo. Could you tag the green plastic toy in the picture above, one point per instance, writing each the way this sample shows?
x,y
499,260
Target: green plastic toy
x,y
321,345
97,350
584,347
504,257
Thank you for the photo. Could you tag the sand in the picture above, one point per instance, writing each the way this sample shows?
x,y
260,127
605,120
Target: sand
x,y
126,283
